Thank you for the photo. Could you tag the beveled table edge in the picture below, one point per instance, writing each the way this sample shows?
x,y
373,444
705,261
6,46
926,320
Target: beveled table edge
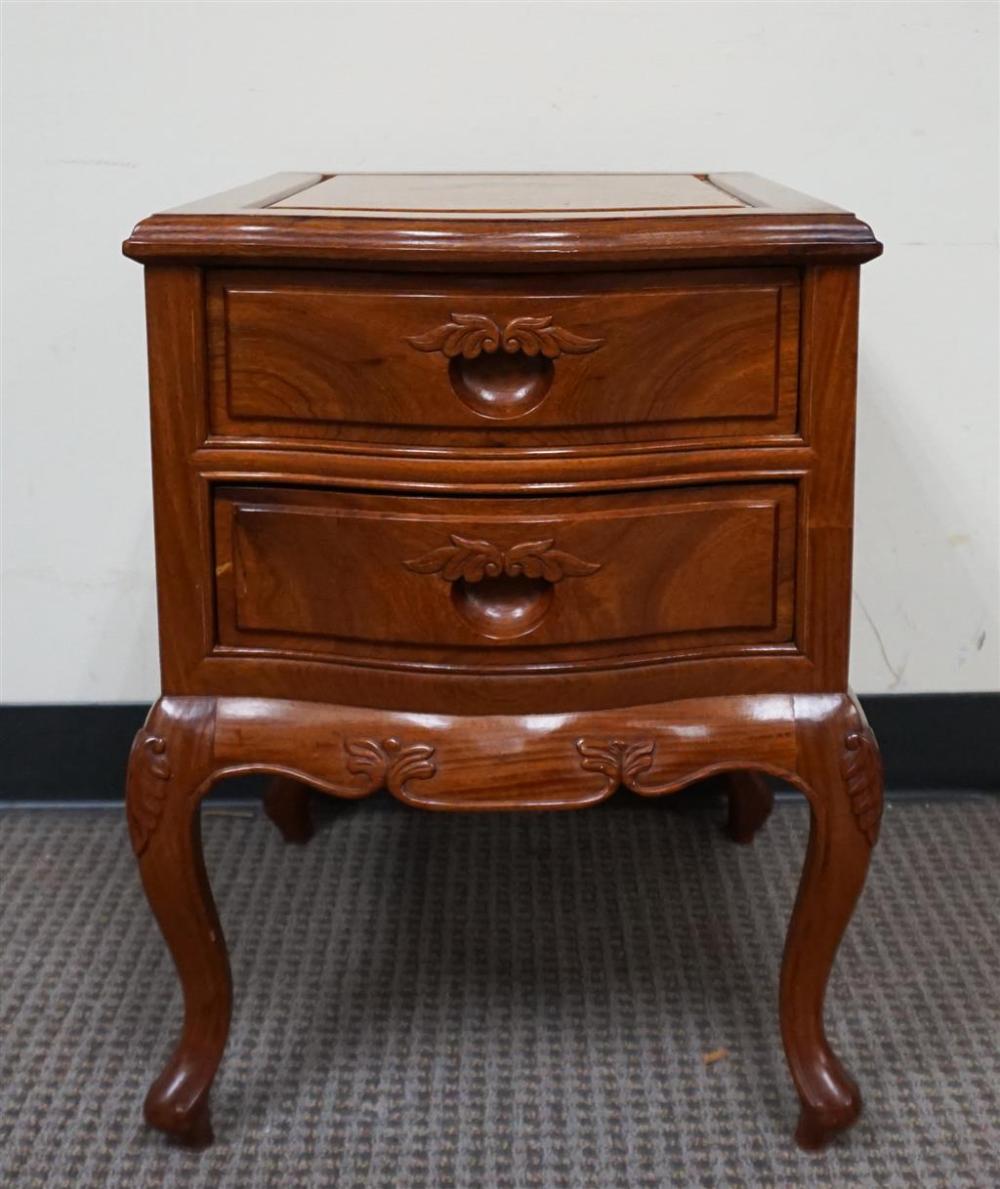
x,y
501,245
776,225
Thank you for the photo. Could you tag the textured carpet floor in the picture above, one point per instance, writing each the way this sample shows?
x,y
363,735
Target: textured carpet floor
x,y
448,1000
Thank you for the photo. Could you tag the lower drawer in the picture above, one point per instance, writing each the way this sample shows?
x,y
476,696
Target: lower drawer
x,y
463,584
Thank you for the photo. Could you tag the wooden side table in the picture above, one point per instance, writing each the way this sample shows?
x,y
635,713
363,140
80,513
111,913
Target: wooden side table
x,y
501,492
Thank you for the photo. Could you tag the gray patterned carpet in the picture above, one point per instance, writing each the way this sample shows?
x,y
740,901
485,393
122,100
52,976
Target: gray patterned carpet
x,y
436,1000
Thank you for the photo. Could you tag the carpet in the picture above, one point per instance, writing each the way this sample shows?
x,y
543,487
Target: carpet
x,y
501,1001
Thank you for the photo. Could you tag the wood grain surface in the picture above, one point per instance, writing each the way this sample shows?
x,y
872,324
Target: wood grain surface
x,y
506,502
671,356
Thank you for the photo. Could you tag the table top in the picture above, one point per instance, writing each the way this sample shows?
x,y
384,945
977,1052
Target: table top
x,y
505,220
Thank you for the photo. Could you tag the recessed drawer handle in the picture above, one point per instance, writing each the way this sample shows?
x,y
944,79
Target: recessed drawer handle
x,y
501,593
506,372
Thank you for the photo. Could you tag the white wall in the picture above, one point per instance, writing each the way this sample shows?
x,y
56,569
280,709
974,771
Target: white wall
x,y
115,110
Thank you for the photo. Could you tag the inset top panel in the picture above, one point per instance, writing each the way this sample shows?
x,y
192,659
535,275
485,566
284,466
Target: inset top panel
x,y
511,195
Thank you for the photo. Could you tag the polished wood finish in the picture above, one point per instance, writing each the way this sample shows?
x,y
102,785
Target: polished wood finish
x,y
328,357
431,584
503,493
772,224
820,743
186,471
170,770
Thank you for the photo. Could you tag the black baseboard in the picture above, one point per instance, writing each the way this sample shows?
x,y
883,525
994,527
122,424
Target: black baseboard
x,y
940,742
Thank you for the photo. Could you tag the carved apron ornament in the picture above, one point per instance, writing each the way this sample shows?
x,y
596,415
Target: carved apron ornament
x,y
619,761
388,764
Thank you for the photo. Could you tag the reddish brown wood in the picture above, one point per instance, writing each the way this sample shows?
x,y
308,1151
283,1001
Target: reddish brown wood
x,y
751,800
352,357
776,225
502,508
818,742
412,584
839,769
288,804
170,769
185,471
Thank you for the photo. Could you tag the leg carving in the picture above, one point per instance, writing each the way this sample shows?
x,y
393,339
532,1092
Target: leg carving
x,y
839,769
288,804
751,800
170,769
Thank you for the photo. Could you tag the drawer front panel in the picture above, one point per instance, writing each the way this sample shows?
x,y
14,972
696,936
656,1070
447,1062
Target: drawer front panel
x,y
504,584
673,356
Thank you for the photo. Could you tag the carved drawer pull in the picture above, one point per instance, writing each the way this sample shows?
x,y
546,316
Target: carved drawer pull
x,y
501,373
474,560
501,593
470,335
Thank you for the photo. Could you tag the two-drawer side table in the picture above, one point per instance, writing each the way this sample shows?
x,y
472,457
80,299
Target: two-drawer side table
x,y
502,492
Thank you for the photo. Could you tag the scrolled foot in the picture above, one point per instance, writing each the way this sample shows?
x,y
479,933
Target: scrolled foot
x,y
170,1109
819,1124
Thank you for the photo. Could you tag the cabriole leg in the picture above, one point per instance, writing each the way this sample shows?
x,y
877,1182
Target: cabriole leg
x,y
840,771
170,770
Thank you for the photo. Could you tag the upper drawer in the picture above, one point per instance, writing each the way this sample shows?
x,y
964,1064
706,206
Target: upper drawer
x,y
522,361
